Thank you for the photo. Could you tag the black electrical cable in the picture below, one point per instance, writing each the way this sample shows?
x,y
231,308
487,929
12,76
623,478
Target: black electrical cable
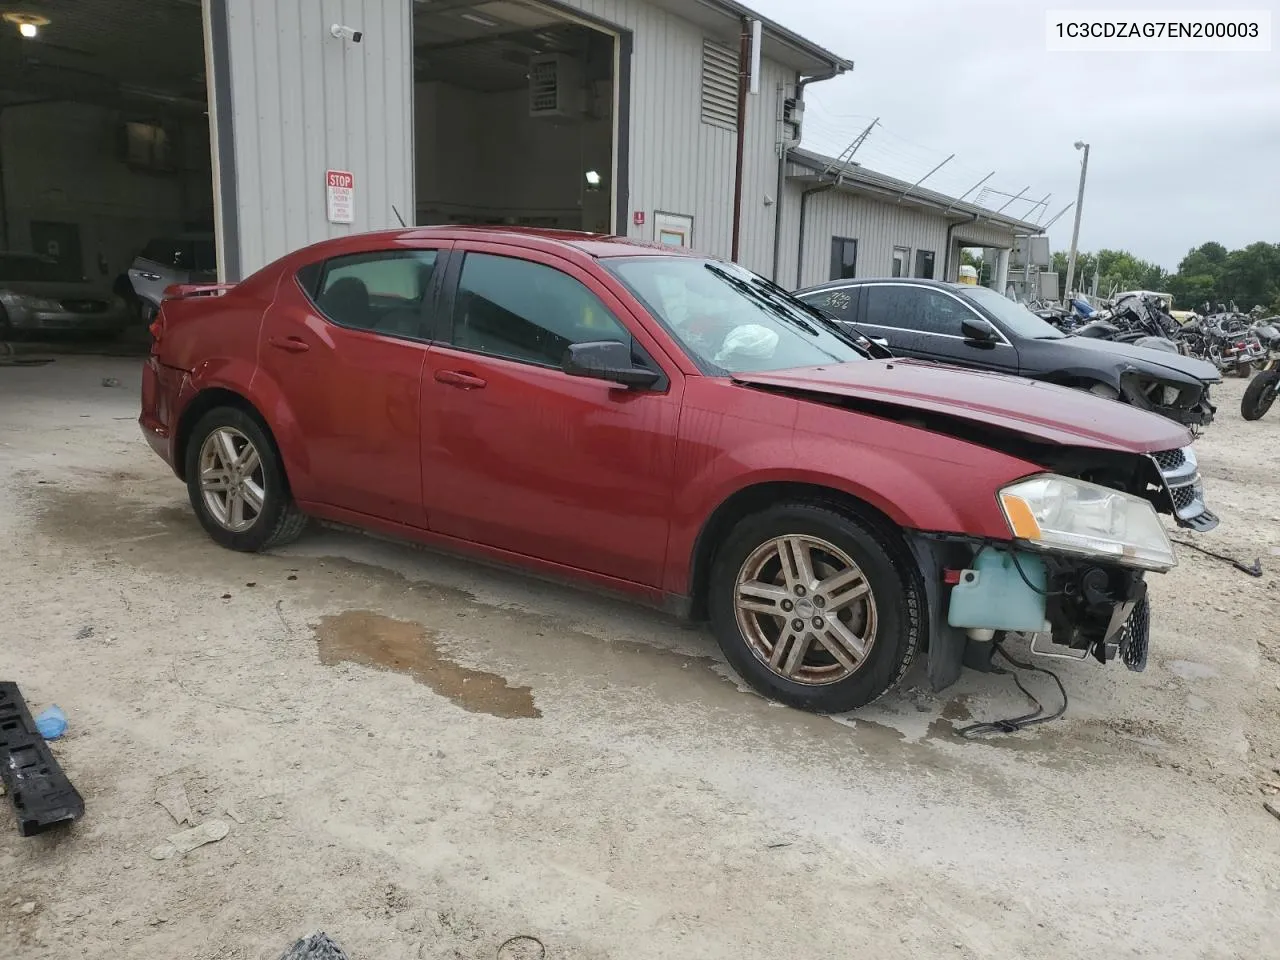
x,y
1014,724
1253,571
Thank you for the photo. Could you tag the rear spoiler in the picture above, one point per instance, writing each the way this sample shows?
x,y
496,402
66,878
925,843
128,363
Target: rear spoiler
x,y
189,291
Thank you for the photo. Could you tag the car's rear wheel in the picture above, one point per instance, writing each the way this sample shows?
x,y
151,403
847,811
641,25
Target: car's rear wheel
x,y
237,484
814,608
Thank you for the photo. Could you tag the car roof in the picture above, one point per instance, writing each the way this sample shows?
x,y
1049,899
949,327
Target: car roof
x,y
906,281
597,245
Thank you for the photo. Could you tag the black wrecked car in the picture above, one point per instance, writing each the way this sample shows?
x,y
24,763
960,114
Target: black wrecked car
x,y
977,327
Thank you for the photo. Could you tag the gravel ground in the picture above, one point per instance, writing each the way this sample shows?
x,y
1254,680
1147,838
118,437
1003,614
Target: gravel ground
x,y
425,758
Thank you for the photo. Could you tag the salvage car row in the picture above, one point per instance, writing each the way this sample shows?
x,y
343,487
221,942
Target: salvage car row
x,y
674,428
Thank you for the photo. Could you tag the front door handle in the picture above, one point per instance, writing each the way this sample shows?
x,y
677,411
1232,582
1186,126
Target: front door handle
x,y
463,381
290,344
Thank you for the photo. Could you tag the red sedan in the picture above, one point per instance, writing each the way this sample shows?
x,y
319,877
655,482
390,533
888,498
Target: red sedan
x,y
674,428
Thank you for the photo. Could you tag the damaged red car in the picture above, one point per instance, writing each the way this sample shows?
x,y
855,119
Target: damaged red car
x,y
677,429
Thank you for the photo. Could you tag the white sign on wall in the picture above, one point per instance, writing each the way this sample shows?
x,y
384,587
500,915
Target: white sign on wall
x,y
340,193
672,229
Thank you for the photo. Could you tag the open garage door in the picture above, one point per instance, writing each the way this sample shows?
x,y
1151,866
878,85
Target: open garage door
x,y
106,184
516,116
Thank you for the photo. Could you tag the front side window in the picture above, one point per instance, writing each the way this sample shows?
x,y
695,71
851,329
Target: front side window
x,y
844,258
383,292
526,311
917,308
728,319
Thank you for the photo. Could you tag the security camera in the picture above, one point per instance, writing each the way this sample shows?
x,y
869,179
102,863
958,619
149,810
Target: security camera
x,y
339,32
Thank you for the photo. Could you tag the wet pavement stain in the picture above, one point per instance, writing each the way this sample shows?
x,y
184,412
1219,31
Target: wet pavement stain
x,y
373,640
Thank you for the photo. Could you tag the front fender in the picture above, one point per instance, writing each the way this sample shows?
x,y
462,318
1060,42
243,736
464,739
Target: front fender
x,y
920,480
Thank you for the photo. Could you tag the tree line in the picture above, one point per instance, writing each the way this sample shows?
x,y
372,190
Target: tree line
x,y
1250,276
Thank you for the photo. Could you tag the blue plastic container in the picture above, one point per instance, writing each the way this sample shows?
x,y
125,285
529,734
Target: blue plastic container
x,y
993,595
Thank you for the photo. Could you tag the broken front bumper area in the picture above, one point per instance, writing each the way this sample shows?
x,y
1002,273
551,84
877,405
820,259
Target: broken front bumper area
x,y
1071,607
1186,403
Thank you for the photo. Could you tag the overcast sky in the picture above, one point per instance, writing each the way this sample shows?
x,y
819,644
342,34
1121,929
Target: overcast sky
x,y
1185,148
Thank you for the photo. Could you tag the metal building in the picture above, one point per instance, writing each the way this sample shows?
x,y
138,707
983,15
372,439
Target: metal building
x,y
134,126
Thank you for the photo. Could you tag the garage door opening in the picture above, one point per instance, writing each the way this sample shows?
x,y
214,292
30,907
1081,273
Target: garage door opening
x,y
515,116
106,183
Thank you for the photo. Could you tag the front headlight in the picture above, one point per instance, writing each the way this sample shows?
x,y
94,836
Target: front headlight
x,y
1059,513
39,303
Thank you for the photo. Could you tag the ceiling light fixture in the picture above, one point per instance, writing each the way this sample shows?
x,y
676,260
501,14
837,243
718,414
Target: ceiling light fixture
x,y
28,24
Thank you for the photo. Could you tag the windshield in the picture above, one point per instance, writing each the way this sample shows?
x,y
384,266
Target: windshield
x,y
29,267
729,319
1013,315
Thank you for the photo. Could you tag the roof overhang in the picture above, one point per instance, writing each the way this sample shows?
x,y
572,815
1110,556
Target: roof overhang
x,y
722,19
815,170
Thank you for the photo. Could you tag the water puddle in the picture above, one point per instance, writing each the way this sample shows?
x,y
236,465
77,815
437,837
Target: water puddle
x,y
372,640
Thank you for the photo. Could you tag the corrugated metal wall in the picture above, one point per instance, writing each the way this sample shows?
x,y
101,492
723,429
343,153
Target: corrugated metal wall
x,y
878,227
303,102
678,164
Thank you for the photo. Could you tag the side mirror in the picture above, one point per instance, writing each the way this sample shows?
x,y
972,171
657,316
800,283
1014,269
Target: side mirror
x,y
976,328
607,360
879,342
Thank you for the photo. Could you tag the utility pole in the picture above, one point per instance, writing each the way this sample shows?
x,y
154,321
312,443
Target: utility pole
x,y
1075,233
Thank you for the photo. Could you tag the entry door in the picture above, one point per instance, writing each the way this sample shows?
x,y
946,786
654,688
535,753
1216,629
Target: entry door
x,y
346,345
520,456
928,323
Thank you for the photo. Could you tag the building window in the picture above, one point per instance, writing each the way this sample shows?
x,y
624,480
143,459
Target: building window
x,y
924,264
719,86
844,258
901,258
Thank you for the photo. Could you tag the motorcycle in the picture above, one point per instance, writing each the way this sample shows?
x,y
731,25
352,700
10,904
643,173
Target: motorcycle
x,y
1262,392
1139,320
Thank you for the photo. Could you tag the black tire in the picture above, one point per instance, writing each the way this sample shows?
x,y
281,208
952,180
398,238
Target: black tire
x,y
279,521
1260,395
894,585
1244,370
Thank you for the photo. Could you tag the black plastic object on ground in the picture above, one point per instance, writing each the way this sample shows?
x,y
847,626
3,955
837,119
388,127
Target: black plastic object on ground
x,y
318,946
41,794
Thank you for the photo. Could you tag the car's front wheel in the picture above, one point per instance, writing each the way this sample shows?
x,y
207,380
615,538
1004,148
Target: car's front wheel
x,y
237,483
814,608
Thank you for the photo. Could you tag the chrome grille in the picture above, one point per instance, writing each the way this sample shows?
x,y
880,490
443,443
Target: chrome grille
x,y
1170,459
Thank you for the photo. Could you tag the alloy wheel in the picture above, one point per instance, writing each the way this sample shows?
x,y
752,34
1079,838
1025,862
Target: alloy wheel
x,y
806,610
232,482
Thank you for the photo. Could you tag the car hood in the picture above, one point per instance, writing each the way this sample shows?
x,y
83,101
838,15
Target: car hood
x,y
55,290
1042,411
1145,357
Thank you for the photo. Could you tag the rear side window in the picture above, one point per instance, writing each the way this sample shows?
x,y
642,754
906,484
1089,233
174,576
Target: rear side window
x,y
889,306
841,303
165,252
387,291
527,311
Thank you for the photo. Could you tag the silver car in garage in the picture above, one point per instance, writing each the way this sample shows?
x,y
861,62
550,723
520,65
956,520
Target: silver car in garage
x,y
185,258
39,296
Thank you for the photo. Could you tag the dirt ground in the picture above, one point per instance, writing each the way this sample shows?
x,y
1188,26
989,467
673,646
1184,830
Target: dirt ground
x,y
424,757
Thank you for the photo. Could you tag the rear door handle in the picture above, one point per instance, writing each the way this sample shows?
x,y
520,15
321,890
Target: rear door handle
x,y
290,344
463,381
